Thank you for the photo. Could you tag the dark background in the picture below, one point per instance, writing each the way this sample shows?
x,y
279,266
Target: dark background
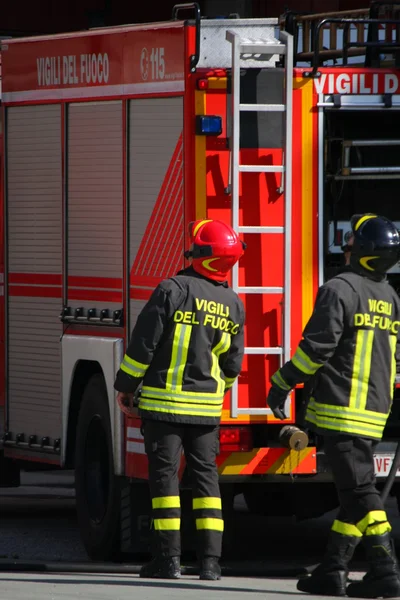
x,y
26,17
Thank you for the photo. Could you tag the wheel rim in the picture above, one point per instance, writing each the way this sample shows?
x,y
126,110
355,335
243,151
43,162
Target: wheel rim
x,y
97,475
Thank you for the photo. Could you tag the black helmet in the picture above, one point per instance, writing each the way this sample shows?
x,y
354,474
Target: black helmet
x,y
376,245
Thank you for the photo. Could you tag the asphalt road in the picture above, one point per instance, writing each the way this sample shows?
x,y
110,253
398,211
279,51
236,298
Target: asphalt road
x,y
61,587
38,523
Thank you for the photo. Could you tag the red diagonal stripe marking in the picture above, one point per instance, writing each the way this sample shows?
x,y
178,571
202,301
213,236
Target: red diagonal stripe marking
x,y
161,207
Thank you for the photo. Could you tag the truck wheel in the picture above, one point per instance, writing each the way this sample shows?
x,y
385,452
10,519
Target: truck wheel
x,y
97,488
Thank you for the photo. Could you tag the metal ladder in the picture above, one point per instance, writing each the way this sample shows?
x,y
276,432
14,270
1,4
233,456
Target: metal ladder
x,y
263,50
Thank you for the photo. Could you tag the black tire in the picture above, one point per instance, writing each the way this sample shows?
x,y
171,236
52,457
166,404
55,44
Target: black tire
x,y
98,490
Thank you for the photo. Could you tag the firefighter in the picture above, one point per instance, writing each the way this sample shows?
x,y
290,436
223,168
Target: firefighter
x,y
186,349
348,348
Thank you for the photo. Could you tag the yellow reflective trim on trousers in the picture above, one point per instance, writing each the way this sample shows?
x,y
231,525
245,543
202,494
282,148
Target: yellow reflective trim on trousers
x,y
304,362
280,382
167,524
208,502
166,502
208,523
393,348
222,347
346,529
361,369
180,347
378,529
372,518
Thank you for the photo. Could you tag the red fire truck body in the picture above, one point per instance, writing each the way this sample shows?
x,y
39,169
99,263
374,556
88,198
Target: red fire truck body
x,y
114,140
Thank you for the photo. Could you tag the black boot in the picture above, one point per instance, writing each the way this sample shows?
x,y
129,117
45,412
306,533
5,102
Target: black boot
x,y
210,569
330,577
382,579
162,567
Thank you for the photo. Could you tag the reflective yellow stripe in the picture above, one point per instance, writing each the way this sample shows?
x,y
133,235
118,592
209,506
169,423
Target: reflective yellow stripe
x,y
362,415
364,260
199,503
133,367
362,220
361,369
183,357
134,363
304,363
340,419
130,371
222,347
166,396
175,407
214,524
346,529
393,347
167,524
196,229
379,529
154,392
279,381
229,381
180,347
372,518
166,502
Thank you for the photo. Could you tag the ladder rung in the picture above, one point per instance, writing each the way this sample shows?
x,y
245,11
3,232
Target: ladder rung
x,y
259,290
262,107
261,48
272,350
258,229
254,411
261,168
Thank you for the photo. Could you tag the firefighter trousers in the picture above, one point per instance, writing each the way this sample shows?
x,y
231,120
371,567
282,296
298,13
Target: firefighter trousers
x,y
352,463
164,442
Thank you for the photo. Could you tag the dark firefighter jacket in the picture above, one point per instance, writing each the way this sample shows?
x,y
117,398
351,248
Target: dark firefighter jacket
x,y
187,348
349,348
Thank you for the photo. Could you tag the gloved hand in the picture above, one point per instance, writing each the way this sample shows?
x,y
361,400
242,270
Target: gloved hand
x,y
276,401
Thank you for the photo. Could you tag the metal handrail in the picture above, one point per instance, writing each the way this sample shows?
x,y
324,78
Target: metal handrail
x,y
347,44
194,59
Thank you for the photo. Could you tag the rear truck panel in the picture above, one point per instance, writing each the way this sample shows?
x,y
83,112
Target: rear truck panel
x,y
232,465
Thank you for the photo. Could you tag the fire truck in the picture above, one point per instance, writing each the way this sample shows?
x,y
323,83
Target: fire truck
x,y
114,140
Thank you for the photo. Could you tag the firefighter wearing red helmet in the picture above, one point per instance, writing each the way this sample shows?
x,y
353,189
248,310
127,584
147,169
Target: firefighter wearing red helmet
x,y
186,350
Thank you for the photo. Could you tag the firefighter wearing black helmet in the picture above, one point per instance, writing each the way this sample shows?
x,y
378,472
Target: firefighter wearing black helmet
x,y
349,351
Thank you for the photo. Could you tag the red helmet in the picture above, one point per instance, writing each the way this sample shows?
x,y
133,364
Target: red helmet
x,y
215,248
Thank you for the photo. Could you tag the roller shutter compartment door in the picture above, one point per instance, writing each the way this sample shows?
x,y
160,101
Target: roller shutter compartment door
x,y
95,205
156,208
34,266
